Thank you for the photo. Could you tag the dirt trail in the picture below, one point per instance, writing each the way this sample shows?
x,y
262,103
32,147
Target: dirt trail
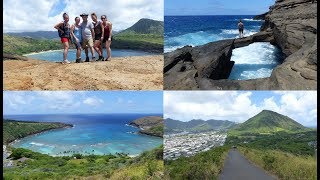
x,y
126,73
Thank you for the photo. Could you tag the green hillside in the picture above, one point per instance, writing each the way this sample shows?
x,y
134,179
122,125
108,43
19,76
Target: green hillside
x,y
18,129
267,122
146,35
22,45
204,165
150,125
174,126
148,165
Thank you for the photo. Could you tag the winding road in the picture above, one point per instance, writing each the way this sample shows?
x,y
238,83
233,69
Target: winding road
x,y
237,167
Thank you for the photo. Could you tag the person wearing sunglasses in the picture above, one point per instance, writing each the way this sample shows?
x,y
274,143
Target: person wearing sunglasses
x,y
87,36
107,35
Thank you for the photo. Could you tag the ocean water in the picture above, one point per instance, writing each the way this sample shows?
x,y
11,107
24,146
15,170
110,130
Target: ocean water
x,y
57,56
92,134
254,61
198,30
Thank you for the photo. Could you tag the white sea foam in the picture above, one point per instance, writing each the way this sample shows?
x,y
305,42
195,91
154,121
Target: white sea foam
x,y
260,73
236,32
255,53
246,19
36,144
192,39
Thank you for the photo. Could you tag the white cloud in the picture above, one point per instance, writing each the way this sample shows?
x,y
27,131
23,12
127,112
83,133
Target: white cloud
x,y
33,15
93,101
239,106
219,105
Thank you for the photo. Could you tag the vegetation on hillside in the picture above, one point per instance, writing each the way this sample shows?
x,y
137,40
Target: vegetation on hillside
x,y
267,122
204,165
286,166
176,126
22,45
150,125
278,144
13,130
149,165
300,143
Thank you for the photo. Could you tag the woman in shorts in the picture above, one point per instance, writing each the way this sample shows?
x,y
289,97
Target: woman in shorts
x,y
77,36
64,33
98,35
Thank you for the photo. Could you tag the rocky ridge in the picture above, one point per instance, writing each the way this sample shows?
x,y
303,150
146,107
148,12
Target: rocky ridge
x,y
289,24
149,125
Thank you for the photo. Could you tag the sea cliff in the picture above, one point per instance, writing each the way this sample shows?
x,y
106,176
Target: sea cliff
x,y
289,24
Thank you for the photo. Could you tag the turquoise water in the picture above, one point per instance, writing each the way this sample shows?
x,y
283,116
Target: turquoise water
x,y
92,134
57,56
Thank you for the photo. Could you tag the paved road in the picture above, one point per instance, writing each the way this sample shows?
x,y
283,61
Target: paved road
x,y
237,167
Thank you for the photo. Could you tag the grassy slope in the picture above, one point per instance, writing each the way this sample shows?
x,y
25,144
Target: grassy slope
x,y
148,165
19,45
155,131
204,165
284,165
18,129
267,122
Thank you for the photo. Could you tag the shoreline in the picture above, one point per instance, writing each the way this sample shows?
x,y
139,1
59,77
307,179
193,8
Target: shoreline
x,y
139,50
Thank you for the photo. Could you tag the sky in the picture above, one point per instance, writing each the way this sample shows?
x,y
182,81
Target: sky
x,y
216,7
36,15
74,102
239,106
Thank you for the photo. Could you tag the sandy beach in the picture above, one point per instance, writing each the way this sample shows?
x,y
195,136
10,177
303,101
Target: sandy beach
x,y
126,73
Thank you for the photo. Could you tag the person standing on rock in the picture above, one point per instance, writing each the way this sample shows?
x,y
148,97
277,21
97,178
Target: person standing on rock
x,y
99,35
76,33
240,27
64,33
87,36
107,35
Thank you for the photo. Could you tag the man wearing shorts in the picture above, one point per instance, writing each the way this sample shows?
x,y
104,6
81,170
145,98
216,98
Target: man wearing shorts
x,y
87,36
240,27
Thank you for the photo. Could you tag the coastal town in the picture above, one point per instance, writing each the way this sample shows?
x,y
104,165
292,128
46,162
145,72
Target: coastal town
x,y
189,144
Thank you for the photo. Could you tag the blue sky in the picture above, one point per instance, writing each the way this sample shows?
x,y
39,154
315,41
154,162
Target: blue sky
x,y
69,102
42,15
239,106
216,7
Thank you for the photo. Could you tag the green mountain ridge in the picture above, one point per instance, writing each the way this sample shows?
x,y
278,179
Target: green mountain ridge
x,y
145,26
268,122
196,125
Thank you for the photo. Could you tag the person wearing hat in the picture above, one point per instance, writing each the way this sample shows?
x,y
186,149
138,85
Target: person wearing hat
x,y
87,36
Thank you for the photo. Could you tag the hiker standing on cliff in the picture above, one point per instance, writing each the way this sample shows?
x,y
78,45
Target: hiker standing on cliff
x,y
107,35
64,33
87,36
99,35
240,27
76,33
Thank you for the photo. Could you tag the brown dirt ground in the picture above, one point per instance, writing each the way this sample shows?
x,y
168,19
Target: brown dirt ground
x,y
125,73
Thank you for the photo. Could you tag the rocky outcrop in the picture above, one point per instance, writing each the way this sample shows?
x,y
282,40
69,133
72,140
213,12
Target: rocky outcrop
x,y
149,125
14,57
290,24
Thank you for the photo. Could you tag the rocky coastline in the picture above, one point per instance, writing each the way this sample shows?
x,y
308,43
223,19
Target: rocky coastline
x,y
289,24
149,125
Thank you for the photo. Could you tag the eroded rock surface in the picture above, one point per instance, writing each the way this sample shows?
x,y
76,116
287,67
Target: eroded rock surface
x,y
290,24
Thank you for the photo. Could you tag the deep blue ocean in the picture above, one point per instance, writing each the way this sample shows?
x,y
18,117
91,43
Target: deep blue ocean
x,y
254,61
57,56
91,134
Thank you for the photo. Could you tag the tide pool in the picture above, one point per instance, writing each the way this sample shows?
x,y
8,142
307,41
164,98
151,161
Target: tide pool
x,y
92,134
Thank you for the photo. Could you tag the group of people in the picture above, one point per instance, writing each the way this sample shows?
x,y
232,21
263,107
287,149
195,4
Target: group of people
x,y
86,35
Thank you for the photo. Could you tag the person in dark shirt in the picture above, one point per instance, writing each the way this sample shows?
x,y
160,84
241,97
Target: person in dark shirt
x,y
240,27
